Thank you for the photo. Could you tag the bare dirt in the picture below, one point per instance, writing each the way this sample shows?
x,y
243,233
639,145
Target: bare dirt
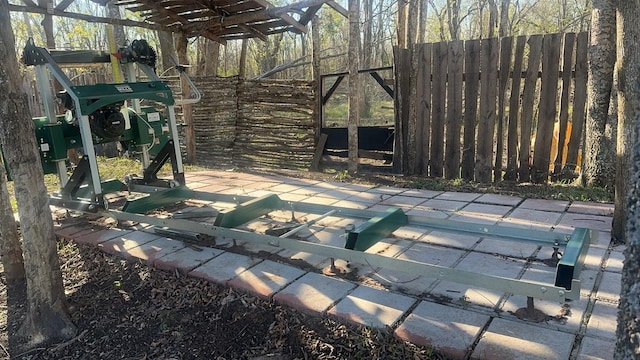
x,y
126,310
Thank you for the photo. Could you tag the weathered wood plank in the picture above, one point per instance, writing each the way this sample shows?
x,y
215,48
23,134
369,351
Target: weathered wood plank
x,y
511,172
563,119
423,112
578,116
547,108
439,97
528,98
506,47
487,120
401,102
471,88
454,109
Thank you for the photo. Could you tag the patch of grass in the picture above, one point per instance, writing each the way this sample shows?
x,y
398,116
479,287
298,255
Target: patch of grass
x,y
555,191
110,168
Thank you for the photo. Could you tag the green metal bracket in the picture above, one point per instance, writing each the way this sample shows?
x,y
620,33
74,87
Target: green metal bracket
x,y
376,229
157,200
248,211
108,186
570,264
93,97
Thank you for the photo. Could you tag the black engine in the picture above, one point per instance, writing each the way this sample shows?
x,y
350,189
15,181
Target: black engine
x,y
107,123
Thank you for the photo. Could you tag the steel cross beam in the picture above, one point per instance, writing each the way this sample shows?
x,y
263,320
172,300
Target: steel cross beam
x,y
534,289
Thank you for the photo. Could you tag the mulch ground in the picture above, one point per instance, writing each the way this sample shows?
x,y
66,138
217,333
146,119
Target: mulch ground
x,y
127,310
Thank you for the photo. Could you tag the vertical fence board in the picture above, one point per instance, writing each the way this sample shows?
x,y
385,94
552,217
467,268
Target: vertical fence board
x,y
487,120
567,68
512,127
401,93
423,112
547,108
579,102
528,98
439,96
506,47
471,87
454,110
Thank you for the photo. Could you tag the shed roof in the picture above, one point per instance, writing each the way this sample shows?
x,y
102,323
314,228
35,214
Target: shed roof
x,y
222,20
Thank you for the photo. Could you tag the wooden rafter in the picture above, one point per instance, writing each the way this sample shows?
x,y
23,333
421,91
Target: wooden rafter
x,y
218,20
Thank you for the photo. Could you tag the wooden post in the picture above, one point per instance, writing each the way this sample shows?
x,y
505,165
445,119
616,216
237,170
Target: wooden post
x,y
190,134
317,76
354,88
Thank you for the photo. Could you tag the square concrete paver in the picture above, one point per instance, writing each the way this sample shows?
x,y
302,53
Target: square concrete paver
x,y
266,278
596,349
224,267
444,205
593,208
414,283
479,263
498,199
458,196
610,286
403,201
450,239
603,321
314,292
121,245
545,205
447,329
571,221
485,210
149,252
100,236
372,307
516,249
615,261
505,339
531,219
187,258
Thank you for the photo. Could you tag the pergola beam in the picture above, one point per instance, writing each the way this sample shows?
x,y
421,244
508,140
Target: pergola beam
x,y
91,18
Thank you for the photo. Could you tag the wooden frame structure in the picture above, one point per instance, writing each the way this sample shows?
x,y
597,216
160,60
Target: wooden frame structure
x,y
218,20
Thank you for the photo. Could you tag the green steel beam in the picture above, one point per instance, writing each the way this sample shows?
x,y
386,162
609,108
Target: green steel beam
x,y
108,186
535,289
249,210
157,200
572,260
376,229
537,237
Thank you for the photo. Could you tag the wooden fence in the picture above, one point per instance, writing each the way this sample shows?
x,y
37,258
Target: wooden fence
x,y
265,123
487,110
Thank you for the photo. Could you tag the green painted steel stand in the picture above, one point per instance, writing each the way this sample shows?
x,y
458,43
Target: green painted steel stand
x,y
248,211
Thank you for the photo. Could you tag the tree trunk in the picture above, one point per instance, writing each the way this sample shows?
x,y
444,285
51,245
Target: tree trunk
x,y
118,30
167,50
402,23
47,24
189,132
422,21
628,331
212,52
628,50
10,250
47,318
493,18
354,85
503,29
599,159
242,67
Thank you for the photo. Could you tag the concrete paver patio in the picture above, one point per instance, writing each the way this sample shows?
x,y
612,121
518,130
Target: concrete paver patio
x,y
460,320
